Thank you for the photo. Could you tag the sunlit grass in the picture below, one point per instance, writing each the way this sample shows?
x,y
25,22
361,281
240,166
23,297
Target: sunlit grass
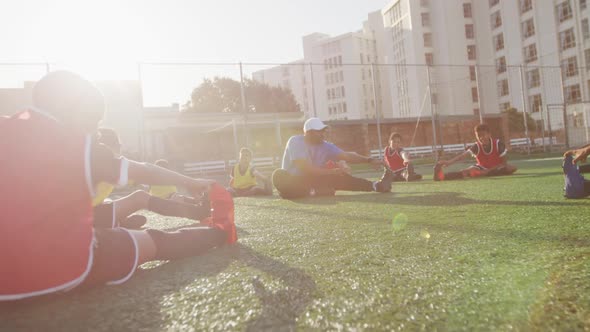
x,y
490,254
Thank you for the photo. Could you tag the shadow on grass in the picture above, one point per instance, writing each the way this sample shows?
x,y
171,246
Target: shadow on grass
x,y
433,199
140,304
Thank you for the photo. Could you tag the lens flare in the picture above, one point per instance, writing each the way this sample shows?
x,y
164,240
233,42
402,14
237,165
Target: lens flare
x,y
399,222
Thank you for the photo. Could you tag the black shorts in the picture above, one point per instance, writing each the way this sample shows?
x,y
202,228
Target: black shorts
x,y
104,215
115,257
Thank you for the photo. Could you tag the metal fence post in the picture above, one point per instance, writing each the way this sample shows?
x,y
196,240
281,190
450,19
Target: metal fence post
x,y
524,110
377,111
564,110
244,107
315,113
434,143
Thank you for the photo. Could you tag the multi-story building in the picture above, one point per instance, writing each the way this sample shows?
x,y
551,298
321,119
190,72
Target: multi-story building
x,y
541,52
335,79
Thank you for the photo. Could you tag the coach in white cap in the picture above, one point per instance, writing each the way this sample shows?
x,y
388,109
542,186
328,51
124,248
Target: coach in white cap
x,y
313,166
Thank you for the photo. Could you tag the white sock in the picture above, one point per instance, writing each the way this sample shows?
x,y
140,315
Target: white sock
x,y
375,185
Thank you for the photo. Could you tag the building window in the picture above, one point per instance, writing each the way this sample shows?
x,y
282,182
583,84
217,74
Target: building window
x,y
341,74
564,11
503,88
469,34
570,66
504,106
535,103
427,40
362,59
528,28
500,65
425,19
472,73
471,52
585,29
424,3
582,4
530,53
533,78
567,39
467,10
499,42
496,20
474,95
525,6
573,94
343,92
494,2
429,59
328,94
340,60
344,110
587,57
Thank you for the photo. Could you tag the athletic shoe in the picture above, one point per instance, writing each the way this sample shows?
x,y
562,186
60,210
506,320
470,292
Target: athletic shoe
x,y
382,186
439,175
135,221
222,212
574,181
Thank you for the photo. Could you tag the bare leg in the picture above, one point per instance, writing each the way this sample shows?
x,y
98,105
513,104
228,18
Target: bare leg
x,y
130,204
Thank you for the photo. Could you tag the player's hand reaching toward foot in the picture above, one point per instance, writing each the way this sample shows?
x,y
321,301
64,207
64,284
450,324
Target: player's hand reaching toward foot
x,y
581,154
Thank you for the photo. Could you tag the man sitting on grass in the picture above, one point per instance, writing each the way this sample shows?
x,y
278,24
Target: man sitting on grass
x,y
489,153
575,184
245,177
50,167
311,166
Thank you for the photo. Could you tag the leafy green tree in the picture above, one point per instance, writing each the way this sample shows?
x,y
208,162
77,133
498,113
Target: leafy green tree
x,y
222,94
516,121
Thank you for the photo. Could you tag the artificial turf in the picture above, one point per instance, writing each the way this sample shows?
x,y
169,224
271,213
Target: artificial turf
x,y
503,253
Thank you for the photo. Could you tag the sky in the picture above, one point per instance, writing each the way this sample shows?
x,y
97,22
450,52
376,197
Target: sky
x,y
105,39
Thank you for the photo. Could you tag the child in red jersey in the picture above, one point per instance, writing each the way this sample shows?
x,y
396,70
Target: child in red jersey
x,y
50,168
398,166
490,154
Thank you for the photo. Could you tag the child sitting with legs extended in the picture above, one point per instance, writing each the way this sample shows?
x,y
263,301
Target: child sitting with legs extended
x,y
397,163
246,180
490,154
48,238
120,212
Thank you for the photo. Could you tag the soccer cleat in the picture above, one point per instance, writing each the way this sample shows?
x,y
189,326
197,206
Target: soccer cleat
x,y
574,181
135,221
439,175
222,212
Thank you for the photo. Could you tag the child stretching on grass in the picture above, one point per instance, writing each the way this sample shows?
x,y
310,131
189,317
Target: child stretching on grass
x,y
398,166
575,184
244,177
489,153
50,167
119,212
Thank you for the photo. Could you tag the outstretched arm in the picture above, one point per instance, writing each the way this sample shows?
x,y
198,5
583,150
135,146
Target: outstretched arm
x,y
580,153
455,159
306,167
355,158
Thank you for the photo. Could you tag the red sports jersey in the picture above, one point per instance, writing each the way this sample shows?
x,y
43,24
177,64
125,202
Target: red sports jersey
x,y
490,159
46,233
394,159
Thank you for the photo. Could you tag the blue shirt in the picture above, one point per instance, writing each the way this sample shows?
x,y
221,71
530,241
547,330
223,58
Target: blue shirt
x,y
317,154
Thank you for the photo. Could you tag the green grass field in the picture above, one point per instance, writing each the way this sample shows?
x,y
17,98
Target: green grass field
x,y
494,254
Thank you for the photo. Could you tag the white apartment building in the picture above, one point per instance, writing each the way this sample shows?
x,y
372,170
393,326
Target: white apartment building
x,y
342,83
548,41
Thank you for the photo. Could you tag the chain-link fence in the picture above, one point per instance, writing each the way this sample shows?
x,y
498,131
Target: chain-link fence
x,y
208,111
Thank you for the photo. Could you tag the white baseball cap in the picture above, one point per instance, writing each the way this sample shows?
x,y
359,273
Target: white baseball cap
x,y
313,124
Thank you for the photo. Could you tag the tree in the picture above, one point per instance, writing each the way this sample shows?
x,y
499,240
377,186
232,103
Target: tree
x,y
516,121
223,94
